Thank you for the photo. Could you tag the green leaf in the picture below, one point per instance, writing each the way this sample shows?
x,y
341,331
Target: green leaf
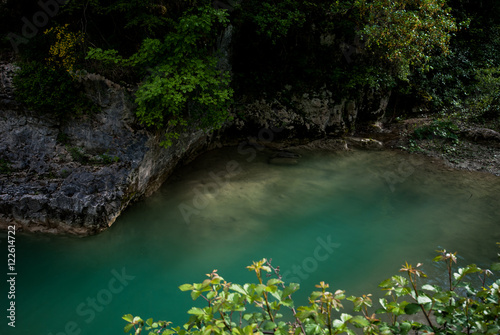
x,y
495,266
429,288
422,299
360,321
383,303
269,325
210,295
287,302
338,324
195,294
128,327
196,311
128,317
238,288
412,309
345,317
186,287
405,327
149,322
312,328
273,281
386,283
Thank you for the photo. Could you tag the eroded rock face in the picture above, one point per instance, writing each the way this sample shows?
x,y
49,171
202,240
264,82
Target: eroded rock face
x,y
77,176
313,116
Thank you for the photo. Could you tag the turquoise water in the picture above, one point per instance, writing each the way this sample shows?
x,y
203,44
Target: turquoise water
x,y
350,219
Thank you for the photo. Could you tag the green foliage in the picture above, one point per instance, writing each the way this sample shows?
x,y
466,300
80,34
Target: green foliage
x,y
463,83
275,19
50,90
348,46
437,129
448,81
107,159
147,16
406,33
485,101
185,87
79,155
461,308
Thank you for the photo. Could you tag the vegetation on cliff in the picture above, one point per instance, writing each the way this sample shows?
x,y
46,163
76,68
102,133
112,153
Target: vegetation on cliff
x,y
438,54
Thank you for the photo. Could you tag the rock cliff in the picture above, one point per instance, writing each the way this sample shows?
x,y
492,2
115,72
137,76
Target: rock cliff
x,y
77,176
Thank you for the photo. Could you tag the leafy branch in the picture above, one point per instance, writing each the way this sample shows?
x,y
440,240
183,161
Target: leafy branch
x,y
255,308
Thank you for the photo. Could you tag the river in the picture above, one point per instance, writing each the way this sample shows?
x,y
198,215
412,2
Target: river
x,y
348,218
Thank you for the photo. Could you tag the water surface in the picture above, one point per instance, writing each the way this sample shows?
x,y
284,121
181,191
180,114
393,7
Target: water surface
x,y
350,219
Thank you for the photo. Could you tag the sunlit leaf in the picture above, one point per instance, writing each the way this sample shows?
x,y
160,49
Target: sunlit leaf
x,y
196,311
238,288
128,327
422,299
195,294
429,288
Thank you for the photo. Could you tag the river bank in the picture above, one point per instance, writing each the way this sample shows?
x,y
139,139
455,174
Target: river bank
x,y
476,148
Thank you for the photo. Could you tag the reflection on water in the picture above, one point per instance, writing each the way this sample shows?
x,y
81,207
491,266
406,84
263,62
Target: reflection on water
x,y
350,219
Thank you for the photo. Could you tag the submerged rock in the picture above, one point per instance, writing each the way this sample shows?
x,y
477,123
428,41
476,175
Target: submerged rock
x,y
284,158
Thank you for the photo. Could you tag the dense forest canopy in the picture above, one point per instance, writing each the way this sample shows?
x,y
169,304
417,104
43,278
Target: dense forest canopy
x,y
442,54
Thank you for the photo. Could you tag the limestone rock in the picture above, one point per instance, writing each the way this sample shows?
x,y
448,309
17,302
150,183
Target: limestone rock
x,y
365,143
482,134
58,180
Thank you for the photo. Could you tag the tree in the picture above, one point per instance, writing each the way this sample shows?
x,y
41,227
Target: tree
x,y
184,87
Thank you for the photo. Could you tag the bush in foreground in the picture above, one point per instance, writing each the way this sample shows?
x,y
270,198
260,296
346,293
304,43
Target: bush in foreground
x,y
459,308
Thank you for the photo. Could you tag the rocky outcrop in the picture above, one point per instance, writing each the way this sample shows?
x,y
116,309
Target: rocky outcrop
x,y
481,134
77,176
364,143
312,116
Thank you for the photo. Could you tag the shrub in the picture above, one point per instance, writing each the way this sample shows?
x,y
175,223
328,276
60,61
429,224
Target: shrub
x,y
64,52
485,104
50,90
5,167
185,87
439,129
78,155
460,308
